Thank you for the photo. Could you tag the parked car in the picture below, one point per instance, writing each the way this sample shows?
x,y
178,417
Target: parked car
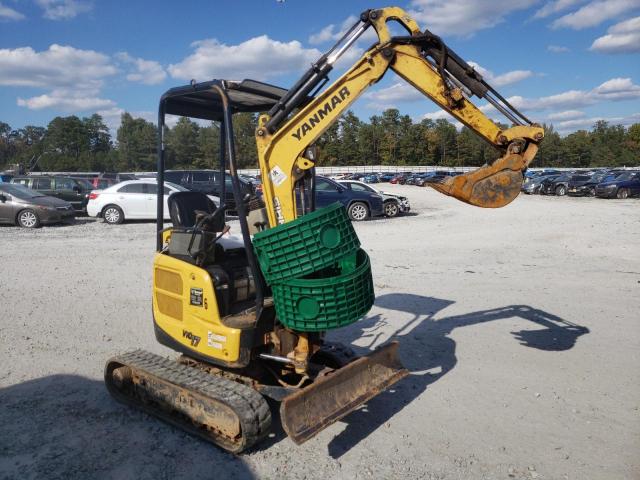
x,y
433,177
208,181
393,204
131,199
100,183
584,185
386,176
532,184
411,179
372,178
625,185
5,177
340,176
73,190
360,205
20,205
556,185
400,178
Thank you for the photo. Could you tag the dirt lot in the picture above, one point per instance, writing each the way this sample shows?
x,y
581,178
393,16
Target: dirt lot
x,y
520,327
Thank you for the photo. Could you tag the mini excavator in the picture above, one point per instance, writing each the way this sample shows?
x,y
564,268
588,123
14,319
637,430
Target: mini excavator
x,y
248,313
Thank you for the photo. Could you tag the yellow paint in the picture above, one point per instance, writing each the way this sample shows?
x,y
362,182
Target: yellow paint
x,y
173,280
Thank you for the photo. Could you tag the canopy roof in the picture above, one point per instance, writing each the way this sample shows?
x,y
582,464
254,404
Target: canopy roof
x,y
201,100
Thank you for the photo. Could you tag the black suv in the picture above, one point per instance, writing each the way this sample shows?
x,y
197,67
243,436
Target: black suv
x,y
73,190
208,181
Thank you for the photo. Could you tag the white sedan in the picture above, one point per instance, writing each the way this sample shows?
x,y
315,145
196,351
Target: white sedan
x,y
131,199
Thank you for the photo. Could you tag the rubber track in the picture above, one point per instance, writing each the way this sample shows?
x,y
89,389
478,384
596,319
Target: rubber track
x,y
250,407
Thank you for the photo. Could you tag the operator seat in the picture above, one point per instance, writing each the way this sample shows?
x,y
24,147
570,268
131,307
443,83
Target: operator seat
x,y
184,208
191,241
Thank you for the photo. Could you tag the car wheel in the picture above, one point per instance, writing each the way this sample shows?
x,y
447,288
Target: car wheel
x,y
28,219
561,190
391,209
113,215
622,193
358,211
592,192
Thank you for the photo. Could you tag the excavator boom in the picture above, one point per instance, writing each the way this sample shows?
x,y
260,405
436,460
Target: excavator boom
x,y
422,59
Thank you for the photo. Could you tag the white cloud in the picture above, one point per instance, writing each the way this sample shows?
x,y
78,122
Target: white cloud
x,y
73,76
503,79
63,9
113,115
556,6
389,97
332,33
68,100
569,126
594,13
58,66
259,58
463,18
402,92
623,37
558,49
566,115
7,13
439,114
148,72
615,90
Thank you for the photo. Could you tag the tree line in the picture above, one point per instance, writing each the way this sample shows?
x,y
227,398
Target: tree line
x,y
86,144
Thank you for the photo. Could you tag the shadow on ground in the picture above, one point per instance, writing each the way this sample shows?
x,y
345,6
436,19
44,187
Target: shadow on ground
x,y
68,427
429,353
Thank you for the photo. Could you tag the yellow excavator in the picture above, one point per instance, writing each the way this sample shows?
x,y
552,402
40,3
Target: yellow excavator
x,y
248,313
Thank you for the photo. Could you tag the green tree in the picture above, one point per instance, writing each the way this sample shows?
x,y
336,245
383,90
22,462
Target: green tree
x,y
209,146
445,148
137,144
350,125
244,127
182,148
98,134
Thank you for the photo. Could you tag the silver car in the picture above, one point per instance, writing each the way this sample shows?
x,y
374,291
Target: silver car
x,y
27,208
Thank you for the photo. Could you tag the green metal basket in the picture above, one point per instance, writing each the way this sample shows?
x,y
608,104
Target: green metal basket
x,y
306,245
332,298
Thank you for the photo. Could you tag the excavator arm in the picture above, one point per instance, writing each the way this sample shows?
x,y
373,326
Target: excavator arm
x,y
285,134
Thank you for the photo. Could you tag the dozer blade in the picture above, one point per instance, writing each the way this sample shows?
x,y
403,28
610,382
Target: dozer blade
x,y
491,186
310,410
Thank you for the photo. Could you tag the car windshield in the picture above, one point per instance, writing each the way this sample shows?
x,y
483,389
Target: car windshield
x,y
581,178
624,176
19,191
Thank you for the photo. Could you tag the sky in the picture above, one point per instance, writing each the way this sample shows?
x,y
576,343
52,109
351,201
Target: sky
x,y
563,62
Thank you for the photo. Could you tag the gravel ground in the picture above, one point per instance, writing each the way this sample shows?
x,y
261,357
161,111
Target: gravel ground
x,y
519,326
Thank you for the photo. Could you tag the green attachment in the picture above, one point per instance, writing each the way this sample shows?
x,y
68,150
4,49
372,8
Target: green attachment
x,y
305,245
331,298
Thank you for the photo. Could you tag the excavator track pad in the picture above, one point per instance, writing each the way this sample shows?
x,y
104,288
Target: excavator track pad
x,y
221,411
331,397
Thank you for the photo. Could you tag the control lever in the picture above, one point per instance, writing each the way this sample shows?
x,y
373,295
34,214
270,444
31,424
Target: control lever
x,y
205,222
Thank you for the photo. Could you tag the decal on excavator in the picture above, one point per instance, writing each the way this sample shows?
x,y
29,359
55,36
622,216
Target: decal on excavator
x,y
322,112
194,339
278,208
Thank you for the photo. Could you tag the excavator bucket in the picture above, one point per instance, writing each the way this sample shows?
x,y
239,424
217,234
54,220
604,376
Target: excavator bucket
x,y
491,186
310,410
